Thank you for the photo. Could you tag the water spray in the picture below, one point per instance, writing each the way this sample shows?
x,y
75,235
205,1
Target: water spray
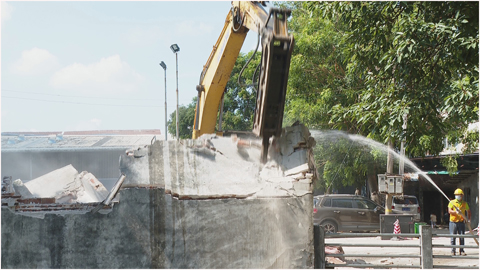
x,y
375,144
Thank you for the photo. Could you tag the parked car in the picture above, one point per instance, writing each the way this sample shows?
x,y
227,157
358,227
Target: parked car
x,y
344,212
406,204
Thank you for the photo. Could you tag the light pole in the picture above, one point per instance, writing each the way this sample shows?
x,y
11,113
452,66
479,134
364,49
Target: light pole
x,y
175,50
162,64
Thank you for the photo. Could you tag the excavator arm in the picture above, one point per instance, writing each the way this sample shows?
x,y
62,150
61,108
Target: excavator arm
x,y
277,46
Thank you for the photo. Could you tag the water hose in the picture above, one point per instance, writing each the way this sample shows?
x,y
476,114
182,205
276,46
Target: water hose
x,y
458,210
468,223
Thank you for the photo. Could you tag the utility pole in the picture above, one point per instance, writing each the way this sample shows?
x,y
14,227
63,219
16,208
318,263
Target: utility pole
x,y
175,50
389,197
164,66
401,167
176,116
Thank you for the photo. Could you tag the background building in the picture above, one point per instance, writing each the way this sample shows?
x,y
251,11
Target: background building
x,y
27,156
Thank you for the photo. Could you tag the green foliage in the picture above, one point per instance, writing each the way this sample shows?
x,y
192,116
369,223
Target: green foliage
x,y
342,161
415,58
361,66
450,163
470,141
239,103
186,116
317,76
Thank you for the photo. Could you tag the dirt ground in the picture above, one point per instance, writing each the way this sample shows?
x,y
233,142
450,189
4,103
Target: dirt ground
x,y
470,260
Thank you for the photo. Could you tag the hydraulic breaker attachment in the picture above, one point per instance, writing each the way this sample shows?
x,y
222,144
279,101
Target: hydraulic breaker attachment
x,y
277,47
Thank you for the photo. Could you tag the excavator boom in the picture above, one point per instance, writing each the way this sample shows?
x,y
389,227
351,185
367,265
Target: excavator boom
x,y
277,46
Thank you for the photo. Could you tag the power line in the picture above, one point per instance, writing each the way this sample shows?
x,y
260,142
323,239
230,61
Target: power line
x,y
34,93
83,103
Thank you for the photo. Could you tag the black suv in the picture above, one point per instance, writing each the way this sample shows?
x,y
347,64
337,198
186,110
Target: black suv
x,y
343,212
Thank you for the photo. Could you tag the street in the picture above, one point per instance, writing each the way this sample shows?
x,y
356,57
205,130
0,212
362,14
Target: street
x,y
393,251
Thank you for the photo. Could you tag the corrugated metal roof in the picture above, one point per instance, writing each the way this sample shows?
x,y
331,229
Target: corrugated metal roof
x,y
86,132
10,143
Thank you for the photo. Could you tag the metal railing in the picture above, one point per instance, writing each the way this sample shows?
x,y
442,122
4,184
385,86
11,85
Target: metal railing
x,y
425,254
455,257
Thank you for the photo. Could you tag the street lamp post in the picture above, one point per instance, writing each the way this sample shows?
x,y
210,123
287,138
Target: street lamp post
x,y
162,64
175,50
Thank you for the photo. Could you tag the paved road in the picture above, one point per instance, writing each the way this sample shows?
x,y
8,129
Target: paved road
x,y
389,261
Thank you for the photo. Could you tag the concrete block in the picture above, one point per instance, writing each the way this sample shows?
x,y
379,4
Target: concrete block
x,y
94,189
21,189
67,186
299,169
295,159
52,183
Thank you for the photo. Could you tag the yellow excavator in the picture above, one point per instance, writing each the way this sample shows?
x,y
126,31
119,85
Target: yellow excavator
x,y
277,47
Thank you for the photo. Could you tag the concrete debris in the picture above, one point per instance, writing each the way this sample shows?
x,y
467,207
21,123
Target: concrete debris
x,y
59,192
7,185
21,190
386,262
137,153
357,261
335,260
299,169
334,250
220,167
66,185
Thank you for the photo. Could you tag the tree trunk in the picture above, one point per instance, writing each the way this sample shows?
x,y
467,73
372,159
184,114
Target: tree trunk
x,y
372,182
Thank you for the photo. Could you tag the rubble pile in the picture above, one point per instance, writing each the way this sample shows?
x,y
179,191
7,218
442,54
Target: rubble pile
x,y
59,190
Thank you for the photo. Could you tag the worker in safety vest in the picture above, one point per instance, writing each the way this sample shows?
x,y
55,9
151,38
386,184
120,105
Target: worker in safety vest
x,y
457,222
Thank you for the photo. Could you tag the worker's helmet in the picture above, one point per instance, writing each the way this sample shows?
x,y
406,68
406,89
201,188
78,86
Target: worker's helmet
x,y
458,191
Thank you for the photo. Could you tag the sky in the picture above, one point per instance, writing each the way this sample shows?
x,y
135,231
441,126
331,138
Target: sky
x,y
70,66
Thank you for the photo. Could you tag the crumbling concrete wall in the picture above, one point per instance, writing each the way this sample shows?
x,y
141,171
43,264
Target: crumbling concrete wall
x,y
150,229
187,204
131,236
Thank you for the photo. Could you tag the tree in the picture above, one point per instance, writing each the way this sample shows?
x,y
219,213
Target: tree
x,y
186,116
317,83
343,161
414,58
317,79
361,66
239,102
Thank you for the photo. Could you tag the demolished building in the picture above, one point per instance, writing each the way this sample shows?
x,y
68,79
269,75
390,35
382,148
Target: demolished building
x,y
62,191
205,203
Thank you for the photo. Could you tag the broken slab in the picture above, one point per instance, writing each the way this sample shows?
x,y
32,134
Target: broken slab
x,y
66,185
216,167
21,190
61,192
53,183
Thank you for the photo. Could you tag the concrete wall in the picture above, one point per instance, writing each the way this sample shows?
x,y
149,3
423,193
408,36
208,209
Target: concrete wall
x,y
131,236
188,204
150,229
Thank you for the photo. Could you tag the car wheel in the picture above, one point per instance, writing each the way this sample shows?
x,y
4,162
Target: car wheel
x,y
330,227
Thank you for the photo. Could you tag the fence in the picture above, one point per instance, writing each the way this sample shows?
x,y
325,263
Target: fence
x,y
425,254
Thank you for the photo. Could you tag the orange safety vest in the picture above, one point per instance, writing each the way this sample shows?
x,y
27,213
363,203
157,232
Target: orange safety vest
x,y
462,205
